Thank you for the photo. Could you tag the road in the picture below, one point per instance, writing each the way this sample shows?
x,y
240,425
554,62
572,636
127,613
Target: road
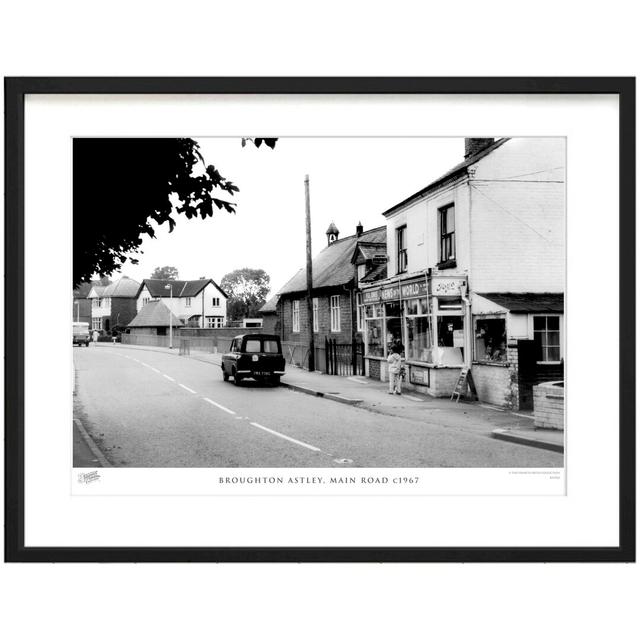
x,y
155,409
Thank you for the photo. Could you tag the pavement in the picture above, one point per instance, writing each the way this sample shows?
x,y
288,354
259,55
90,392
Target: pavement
x,y
371,395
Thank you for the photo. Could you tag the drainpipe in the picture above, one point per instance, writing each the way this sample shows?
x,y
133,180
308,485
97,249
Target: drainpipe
x,y
464,294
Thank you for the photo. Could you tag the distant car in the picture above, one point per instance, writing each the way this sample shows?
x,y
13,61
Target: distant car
x,y
81,333
254,355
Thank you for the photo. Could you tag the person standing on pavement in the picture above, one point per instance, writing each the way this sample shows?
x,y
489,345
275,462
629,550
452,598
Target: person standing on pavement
x,y
95,335
395,369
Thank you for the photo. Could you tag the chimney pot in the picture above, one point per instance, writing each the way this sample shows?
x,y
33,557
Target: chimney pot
x,y
475,145
359,229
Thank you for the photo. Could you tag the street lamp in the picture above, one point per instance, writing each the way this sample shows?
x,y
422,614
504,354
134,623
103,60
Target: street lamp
x,y
168,286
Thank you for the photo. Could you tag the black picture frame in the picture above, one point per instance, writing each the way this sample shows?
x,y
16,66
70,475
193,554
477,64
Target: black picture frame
x,y
15,91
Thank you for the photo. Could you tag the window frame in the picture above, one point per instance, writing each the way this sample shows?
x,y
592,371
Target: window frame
x,y
187,301
445,236
402,259
295,316
560,317
336,309
315,314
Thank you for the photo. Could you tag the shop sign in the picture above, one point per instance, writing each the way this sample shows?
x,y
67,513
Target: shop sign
x,y
414,290
419,376
371,296
391,293
447,286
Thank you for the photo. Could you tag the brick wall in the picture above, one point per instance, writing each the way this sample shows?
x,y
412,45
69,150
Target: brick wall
x,y
324,319
373,368
548,405
493,384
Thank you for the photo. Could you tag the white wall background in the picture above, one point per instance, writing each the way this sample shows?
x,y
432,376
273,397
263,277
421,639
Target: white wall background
x,y
331,38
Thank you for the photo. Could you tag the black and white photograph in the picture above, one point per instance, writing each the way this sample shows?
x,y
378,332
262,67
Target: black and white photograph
x,y
318,302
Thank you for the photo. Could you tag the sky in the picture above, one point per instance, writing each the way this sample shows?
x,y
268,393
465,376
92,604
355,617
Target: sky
x,y
351,180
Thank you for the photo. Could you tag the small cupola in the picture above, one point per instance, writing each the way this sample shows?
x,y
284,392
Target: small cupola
x,y
332,234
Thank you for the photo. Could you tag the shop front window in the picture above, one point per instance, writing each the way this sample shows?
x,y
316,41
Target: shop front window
x,y
418,335
491,340
450,332
373,327
418,339
393,326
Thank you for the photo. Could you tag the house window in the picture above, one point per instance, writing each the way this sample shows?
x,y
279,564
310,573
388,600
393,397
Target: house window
x,y
447,236
401,245
97,324
144,301
296,316
335,313
187,302
315,315
546,336
215,302
214,322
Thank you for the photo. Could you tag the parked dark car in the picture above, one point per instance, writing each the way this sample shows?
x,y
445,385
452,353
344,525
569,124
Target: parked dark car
x,y
254,355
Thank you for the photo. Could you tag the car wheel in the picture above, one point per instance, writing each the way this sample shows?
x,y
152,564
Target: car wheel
x,y
275,380
225,375
237,380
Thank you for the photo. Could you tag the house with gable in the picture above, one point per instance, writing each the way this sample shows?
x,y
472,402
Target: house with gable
x,y
197,303
476,275
113,306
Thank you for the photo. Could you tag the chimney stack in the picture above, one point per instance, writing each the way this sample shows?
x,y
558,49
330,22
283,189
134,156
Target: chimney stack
x,y
359,229
475,145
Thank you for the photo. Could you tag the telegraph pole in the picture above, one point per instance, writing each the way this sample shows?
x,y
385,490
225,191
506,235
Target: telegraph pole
x,y
312,359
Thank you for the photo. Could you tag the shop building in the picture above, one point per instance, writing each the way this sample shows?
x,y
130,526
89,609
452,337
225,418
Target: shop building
x,y
475,275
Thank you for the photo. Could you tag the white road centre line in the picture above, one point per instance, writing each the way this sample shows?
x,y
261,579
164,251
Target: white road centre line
x,y
168,377
281,435
144,364
185,387
215,404
154,369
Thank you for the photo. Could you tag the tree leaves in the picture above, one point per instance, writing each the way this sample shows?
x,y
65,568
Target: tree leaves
x,y
247,289
165,273
121,185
